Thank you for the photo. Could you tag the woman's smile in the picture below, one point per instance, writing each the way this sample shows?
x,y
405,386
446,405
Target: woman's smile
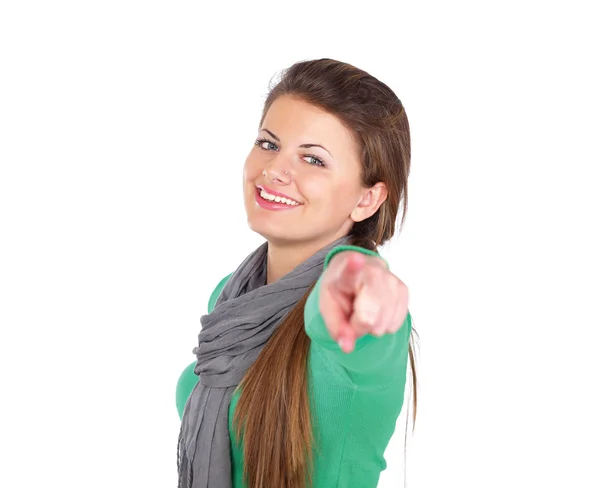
x,y
273,201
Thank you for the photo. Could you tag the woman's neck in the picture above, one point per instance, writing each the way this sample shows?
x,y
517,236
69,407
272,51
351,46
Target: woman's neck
x,y
283,258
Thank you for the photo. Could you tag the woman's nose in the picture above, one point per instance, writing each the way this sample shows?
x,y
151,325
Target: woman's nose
x,y
277,170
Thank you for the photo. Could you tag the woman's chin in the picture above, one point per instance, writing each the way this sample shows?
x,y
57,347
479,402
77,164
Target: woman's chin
x,y
272,233
267,231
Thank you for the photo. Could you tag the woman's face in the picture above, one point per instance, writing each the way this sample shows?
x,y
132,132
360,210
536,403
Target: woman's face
x,y
308,156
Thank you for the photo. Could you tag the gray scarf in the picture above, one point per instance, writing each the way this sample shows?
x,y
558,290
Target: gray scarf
x,y
232,336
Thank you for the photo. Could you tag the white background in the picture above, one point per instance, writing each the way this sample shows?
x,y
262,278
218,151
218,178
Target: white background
x,y
123,130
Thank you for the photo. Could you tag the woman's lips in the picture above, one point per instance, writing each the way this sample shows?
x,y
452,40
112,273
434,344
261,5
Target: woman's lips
x,y
276,193
268,204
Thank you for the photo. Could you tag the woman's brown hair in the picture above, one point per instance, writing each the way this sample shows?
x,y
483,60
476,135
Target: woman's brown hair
x,y
273,411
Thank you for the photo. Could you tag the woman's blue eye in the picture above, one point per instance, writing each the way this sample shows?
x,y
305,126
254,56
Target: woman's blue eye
x,y
266,145
315,161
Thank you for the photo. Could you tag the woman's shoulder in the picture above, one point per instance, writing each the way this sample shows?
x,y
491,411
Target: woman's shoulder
x,y
216,292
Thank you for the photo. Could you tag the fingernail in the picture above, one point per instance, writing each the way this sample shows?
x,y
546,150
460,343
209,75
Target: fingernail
x,y
378,331
344,343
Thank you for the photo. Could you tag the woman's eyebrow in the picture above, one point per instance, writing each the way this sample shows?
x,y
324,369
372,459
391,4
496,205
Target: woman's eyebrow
x,y
305,146
271,134
315,145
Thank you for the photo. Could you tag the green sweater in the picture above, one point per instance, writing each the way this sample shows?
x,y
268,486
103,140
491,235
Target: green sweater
x,y
357,397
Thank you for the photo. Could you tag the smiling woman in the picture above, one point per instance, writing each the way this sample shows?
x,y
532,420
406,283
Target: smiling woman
x,y
307,155
302,359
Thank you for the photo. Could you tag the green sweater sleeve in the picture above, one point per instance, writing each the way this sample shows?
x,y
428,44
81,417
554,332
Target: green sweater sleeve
x,y
375,361
188,379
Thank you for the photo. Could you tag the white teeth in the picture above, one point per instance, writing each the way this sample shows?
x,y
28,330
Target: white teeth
x,y
277,199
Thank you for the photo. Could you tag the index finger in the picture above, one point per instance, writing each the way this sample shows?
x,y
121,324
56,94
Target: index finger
x,y
348,276
335,309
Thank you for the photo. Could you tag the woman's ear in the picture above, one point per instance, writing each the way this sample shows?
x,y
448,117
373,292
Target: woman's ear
x,y
369,202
